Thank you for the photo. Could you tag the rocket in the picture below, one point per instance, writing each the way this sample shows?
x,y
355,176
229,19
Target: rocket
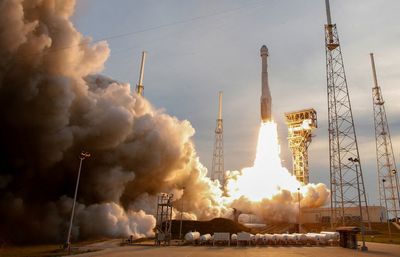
x,y
266,100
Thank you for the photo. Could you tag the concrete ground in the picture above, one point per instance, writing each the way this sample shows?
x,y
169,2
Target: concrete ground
x,y
375,249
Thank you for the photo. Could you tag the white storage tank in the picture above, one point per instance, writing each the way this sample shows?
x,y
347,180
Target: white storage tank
x,y
234,238
282,238
205,238
331,235
192,237
270,239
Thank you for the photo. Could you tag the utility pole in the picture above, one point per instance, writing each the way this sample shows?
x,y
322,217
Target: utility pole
x,y
387,213
298,198
346,180
180,226
82,157
363,247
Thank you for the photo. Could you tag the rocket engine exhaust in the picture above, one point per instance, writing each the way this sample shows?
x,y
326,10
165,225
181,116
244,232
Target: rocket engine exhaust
x,y
265,100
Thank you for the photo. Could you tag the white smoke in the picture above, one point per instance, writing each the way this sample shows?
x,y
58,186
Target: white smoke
x,y
54,104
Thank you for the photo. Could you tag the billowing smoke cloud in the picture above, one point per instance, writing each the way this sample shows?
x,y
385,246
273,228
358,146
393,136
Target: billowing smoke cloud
x,y
53,105
283,206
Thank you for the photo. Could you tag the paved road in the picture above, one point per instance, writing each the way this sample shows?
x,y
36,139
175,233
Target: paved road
x,y
375,249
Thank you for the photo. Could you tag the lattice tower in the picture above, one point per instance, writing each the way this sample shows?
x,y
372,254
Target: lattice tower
x,y
385,160
346,179
218,172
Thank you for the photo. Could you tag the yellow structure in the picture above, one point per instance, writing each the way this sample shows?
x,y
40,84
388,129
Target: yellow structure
x,y
300,125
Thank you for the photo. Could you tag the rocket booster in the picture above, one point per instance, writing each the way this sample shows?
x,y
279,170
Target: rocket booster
x,y
266,100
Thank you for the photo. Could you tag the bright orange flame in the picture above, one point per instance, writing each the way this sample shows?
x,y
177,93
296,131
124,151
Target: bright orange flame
x,y
267,176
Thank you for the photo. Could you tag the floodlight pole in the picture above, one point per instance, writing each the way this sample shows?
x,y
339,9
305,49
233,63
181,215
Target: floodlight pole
x,y
180,226
396,180
387,213
298,198
364,248
82,156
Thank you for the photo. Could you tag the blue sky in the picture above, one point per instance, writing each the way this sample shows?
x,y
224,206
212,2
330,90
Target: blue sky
x,y
196,48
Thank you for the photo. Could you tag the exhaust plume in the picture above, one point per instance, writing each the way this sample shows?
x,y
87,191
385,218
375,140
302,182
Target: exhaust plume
x,y
267,189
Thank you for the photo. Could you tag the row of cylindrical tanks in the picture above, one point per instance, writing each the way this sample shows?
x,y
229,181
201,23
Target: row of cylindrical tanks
x,y
244,238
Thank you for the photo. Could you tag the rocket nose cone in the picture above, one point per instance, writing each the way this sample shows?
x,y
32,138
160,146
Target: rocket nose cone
x,y
264,50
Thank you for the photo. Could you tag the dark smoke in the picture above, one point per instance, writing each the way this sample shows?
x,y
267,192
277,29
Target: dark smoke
x,y
53,105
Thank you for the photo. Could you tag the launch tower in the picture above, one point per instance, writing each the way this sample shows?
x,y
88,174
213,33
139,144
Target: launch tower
x,y
385,161
300,125
217,171
346,179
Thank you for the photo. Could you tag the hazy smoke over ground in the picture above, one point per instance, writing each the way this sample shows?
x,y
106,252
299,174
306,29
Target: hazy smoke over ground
x,y
53,106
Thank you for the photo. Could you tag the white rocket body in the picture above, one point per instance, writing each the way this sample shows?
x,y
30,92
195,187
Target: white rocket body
x,y
266,101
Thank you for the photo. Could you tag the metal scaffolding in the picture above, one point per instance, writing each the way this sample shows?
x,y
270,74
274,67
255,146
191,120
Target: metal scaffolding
x,y
385,161
163,219
346,179
300,126
218,171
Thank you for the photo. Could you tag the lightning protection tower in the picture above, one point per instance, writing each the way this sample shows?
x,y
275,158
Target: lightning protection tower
x,y
346,179
217,171
300,126
385,161
163,219
139,86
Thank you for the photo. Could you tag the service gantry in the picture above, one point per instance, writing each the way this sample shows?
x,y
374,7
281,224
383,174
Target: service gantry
x,y
300,126
163,219
386,165
346,179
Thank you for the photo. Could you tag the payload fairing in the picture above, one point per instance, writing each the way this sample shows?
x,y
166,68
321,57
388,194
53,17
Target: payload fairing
x,y
266,101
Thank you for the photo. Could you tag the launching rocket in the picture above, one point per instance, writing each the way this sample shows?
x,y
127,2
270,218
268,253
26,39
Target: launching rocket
x,y
266,100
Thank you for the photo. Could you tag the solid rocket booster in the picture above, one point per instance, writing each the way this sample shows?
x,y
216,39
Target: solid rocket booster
x,y
266,100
